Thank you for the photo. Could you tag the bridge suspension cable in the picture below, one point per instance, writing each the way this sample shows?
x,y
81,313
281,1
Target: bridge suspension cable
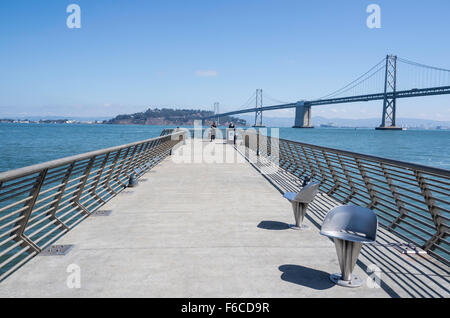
x,y
409,75
272,99
422,65
360,81
413,75
249,103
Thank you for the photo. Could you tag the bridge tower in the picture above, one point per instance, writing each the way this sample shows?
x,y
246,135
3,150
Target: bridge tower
x,y
303,115
390,89
259,105
216,112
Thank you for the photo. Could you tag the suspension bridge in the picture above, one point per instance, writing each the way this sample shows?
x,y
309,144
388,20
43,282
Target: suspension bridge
x,y
390,79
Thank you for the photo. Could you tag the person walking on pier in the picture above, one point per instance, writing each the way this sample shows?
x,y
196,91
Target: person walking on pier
x,y
213,131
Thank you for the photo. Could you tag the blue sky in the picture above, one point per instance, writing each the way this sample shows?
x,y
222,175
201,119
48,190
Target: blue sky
x,y
129,55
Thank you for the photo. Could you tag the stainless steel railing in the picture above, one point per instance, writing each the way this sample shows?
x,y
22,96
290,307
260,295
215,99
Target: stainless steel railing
x,y
167,131
204,132
40,203
412,201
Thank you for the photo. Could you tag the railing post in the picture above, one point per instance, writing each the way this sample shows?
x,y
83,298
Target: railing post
x,y
118,173
401,209
434,212
80,188
135,160
97,179
303,169
164,145
337,182
113,166
130,160
151,154
285,159
55,205
153,151
369,186
322,172
349,180
145,156
168,144
308,160
20,232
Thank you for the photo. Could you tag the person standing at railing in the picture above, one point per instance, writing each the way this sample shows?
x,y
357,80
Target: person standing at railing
x,y
213,131
233,128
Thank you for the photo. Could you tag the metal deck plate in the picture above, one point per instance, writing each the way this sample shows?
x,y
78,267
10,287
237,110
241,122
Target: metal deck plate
x,y
56,250
102,213
409,249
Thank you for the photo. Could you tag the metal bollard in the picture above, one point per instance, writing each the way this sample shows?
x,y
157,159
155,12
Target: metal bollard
x,y
133,181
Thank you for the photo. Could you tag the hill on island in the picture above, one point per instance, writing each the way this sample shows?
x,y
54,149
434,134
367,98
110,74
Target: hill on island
x,y
170,117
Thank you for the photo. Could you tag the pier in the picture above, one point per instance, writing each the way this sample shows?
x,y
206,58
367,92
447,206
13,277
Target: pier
x,y
205,229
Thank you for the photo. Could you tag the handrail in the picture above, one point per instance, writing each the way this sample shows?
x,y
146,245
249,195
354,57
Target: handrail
x,y
167,131
399,163
411,200
7,175
42,202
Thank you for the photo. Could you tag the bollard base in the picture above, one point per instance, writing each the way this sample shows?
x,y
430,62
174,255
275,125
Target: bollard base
x,y
356,281
133,181
298,228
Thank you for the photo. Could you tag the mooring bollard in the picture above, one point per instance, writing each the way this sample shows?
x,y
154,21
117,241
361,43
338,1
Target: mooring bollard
x,y
133,181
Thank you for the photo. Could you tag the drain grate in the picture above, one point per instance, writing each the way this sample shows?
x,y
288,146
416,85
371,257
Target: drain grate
x,y
102,213
57,250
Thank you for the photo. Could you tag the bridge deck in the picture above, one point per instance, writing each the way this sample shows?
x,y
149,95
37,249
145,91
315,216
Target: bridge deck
x,y
213,230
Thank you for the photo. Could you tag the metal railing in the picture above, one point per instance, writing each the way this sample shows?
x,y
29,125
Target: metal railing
x,y
412,201
167,131
40,203
203,133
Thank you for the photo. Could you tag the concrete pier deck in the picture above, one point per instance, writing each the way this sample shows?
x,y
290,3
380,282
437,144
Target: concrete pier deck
x,y
214,230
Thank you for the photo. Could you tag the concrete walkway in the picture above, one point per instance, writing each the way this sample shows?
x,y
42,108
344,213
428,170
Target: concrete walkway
x,y
193,230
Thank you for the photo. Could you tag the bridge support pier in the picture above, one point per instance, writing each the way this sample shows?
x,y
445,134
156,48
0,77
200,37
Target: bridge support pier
x,y
303,116
389,128
390,103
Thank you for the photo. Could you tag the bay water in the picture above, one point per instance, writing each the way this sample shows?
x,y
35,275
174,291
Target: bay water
x,y
26,144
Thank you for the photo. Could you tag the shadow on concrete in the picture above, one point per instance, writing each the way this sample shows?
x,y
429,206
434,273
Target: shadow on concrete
x,y
306,276
273,226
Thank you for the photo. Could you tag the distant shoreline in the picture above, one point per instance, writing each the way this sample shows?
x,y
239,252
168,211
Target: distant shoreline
x,y
188,125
